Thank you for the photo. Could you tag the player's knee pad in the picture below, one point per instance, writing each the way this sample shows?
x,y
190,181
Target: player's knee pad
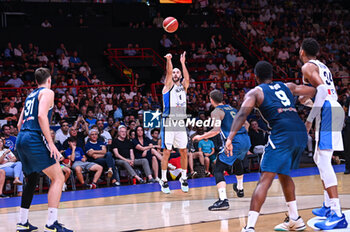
x,y
219,176
238,167
323,160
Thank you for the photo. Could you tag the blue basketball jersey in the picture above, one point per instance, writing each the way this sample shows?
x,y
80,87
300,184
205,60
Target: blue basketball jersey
x,y
31,111
226,123
241,142
278,110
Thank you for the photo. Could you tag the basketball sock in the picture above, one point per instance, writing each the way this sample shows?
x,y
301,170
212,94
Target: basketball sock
x,y
184,174
23,215
222,193
239,182
164,176
52,216
335,206
293,210
326,199
252,218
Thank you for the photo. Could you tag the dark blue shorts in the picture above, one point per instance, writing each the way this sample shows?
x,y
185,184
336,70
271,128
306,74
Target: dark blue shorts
x,y
281,160
33,152
241,144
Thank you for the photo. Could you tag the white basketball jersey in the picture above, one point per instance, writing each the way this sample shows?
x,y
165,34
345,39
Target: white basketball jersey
x,y
327,79
329,123
174,102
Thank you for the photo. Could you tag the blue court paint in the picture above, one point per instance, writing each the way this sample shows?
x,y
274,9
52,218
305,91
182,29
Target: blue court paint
x,y
146,188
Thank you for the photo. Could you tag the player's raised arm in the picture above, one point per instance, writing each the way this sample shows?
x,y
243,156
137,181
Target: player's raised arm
x,y
46,100
310,72
169,73
217,114
250,101
186,75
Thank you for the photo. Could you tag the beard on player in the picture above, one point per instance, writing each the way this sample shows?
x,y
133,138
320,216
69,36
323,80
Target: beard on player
x,y
176,75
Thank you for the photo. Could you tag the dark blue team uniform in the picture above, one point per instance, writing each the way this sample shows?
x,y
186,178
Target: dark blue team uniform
x,y
288,137
241,142
31,144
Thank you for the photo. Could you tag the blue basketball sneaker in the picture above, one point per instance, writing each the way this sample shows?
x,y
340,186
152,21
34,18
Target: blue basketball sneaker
x,y
56,227
322,212
27,227
332,222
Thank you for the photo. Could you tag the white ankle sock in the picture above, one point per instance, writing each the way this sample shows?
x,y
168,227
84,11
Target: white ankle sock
x,y
239,182
52,216
184,174
23,215
326,199
293,210
335,206
222,193
164,175
252,218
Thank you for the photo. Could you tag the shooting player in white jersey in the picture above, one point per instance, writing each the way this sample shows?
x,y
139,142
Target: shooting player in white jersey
x,y
329,123
173,130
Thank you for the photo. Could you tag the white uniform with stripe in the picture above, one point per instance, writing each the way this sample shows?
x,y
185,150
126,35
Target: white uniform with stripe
x,y
173,130
330,122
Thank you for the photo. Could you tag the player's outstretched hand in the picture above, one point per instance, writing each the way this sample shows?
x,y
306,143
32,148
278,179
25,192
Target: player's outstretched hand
x,y
54,153
228,148
183,58
168,56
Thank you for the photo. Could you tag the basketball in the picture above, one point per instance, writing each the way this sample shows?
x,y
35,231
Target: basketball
x,y
170,24
67,163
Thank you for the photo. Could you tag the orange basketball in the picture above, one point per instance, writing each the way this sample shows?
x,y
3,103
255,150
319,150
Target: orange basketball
x,y
170,24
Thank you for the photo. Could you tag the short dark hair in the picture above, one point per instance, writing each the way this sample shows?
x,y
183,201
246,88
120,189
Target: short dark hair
x,y
253,120
154,130
216,96
130,131
263,70
41,75
98,120
6,125
72,139
310,46
93,127
63,121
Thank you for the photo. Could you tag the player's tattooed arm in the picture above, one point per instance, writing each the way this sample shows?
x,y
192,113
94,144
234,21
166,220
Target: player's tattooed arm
x,y
169,73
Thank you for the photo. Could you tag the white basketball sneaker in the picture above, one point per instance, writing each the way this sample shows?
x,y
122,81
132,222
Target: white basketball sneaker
x,y
164,186
250,229
291,225
184,185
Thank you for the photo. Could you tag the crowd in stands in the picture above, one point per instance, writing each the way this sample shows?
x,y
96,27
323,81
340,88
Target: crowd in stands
x,y
101,128
275,30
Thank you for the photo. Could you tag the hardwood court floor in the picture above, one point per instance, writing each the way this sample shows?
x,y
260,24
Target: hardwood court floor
x,y
154,211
